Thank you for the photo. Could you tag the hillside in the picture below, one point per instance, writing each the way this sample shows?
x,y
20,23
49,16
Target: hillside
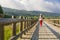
x,y
9,11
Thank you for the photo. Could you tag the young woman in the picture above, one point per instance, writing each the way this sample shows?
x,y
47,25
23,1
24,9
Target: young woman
x,y
40,20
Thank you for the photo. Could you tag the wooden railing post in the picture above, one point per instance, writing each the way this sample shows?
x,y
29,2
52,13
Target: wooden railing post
x,y
14,27
57,21
27,22
25,25
31,21
21,27
1,32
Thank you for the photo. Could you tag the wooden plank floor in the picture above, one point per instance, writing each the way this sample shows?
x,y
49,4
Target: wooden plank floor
x,y
41,33
29,34
46,34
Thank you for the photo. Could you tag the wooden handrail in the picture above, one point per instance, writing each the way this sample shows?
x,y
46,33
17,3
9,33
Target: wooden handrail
x,y
9,20
19,35
55,22
4,21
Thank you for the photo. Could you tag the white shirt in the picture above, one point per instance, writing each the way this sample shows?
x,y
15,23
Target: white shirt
x,y
40,18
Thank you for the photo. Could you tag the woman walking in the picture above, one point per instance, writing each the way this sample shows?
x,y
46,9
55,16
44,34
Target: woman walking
x,y
40,20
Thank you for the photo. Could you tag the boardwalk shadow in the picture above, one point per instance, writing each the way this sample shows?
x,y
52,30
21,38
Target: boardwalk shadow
x,y
53,31
35,35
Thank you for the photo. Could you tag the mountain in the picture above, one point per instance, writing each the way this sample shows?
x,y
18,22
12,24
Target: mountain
x,y
15,12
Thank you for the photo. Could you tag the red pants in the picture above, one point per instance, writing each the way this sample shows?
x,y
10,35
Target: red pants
x,y
41,23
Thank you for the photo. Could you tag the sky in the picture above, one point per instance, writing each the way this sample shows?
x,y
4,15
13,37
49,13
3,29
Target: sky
x,y
31,5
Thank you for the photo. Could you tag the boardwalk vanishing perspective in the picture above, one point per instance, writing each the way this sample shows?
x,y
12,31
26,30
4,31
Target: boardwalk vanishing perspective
x,y
30,30
42,33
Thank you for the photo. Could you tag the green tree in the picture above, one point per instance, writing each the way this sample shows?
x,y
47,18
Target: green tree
x,y
1,12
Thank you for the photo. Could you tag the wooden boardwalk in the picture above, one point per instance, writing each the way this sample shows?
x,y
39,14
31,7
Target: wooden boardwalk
x,y
29,34
41,33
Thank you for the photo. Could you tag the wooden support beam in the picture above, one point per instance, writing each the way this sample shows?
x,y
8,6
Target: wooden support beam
x,y
14,29
25,25
1,32
27,22
30,21
14,26
21,27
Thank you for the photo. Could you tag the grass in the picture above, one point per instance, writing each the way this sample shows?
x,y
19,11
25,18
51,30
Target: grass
x,y
8,31
17,28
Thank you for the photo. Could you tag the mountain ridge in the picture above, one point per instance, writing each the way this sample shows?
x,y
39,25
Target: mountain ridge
x,y
15,12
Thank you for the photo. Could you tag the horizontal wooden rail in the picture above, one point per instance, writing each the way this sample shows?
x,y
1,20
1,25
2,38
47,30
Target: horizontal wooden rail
x,y
55,22
19,35
28,24
4,21
53,19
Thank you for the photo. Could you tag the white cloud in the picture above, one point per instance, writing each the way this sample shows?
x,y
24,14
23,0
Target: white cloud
x,y
53,6
35,5
11,4
41,5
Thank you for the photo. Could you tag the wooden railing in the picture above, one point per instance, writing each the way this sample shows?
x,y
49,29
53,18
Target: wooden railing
x,y
55,22
28,24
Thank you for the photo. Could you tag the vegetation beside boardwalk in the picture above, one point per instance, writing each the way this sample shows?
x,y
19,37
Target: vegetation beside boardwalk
x,y
1,12
2,15
8,31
